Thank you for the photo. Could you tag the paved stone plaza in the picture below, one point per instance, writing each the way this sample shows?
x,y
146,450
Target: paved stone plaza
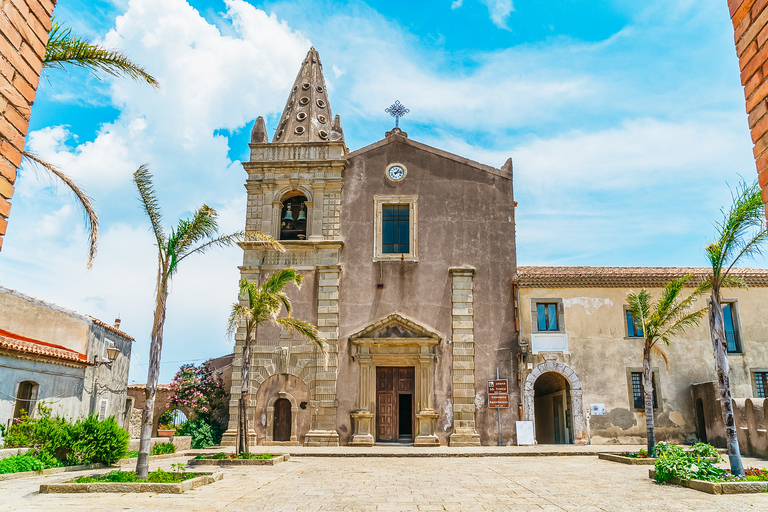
x,y
579,483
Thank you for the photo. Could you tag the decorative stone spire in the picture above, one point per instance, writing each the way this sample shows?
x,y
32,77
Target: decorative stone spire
x,y
336,132
259,132
307,115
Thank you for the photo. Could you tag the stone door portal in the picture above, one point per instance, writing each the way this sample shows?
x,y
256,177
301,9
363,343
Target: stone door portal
x,y
282,426
394,403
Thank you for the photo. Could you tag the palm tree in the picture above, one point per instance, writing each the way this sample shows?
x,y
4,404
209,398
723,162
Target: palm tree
x,y
741,234
660,320
191,236
64,49
263,305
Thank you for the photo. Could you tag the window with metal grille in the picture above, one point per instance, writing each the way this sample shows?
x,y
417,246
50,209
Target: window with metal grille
x,y
547,317
637,391
634,329
761,384
395,238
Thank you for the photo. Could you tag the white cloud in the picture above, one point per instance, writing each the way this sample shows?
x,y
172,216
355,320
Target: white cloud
x,y
456,4
499,11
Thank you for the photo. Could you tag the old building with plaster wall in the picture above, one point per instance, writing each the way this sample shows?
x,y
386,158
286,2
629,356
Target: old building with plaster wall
x,y
580,367
53,355
408,256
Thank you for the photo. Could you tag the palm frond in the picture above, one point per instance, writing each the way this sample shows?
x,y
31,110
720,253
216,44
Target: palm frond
x,y
220,241
658,351
286,302
258,236
730,281
281,278
238,313
306,331
85,202
733,240
143,180
64,48
203,225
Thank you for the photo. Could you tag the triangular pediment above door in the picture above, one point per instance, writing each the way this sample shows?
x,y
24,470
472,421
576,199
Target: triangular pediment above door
x,y
396,326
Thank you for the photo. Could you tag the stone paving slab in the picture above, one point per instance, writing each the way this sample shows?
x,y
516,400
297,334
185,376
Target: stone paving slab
x,y
308,484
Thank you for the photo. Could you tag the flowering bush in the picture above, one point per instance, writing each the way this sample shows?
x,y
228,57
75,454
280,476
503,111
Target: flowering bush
x,y
197,388
170,426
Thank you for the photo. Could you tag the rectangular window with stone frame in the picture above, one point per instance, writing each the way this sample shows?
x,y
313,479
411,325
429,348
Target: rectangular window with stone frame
x,y
547,315
636,392
396,228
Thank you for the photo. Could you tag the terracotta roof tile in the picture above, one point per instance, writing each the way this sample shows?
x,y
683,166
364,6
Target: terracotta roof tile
x,y
22,344
621,277
111,328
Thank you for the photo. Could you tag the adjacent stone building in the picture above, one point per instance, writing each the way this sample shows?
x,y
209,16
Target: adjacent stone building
x,y
581,355
408,258
76,364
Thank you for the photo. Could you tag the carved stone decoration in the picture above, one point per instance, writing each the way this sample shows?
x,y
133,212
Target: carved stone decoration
x,y
395,341
577,405
285,353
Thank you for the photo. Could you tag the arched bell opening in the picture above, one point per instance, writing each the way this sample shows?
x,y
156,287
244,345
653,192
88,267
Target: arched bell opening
x,y
553,410
293,218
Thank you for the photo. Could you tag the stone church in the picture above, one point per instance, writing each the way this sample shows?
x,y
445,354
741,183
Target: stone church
x,y
408,258
410,273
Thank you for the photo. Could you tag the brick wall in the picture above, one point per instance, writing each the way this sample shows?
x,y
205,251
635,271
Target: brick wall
x,y
750,24
24,26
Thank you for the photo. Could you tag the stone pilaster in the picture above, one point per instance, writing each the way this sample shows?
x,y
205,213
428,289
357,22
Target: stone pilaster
x,y
323,388
463,346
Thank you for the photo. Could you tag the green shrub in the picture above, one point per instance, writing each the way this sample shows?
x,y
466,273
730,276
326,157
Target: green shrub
x,y
162,448
203,433
98,441
673,461
157,476
704,450
19,463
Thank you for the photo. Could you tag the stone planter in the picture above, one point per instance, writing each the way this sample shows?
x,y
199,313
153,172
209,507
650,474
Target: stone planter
x,y
239,462
166,433
125,487
647,461
717,487
613,457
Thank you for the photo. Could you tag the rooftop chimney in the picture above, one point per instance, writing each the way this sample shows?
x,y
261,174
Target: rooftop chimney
x,y
117,323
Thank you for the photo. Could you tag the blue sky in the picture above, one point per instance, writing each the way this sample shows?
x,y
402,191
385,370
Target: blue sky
x,y
625,122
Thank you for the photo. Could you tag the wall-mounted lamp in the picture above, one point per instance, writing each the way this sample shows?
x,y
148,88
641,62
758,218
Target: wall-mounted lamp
x,y
112,353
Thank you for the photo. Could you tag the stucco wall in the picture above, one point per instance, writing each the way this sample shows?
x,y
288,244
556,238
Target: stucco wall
x,y
600,354
43,321
465,218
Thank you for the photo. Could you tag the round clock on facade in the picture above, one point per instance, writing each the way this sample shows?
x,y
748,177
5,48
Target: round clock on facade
x,y
396,172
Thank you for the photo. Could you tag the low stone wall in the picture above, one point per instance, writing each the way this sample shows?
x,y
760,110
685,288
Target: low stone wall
x,y
180,442
751,415
10,452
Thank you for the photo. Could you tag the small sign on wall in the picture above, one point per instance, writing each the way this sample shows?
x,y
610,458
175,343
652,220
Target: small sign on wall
x,y
597,409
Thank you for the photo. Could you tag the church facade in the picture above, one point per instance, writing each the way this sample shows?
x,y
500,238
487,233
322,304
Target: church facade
x,y
408,259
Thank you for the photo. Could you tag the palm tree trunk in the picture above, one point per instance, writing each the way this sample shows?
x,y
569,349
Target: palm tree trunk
x,y
717,331
150,392
648,400
242,443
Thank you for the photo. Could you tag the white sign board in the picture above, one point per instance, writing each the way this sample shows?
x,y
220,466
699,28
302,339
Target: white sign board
x,y
525,433
597,409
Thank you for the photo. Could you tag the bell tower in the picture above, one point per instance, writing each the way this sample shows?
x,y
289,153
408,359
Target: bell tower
x,y
294,195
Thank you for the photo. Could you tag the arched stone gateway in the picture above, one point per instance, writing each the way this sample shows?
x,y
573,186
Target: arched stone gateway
x,y
577,406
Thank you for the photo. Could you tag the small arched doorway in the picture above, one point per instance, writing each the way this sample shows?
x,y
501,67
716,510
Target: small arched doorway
x,y
282,422
577,429
293,218
552,399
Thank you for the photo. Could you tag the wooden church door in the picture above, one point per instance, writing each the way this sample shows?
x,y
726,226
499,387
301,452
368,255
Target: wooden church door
x,y
282,424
